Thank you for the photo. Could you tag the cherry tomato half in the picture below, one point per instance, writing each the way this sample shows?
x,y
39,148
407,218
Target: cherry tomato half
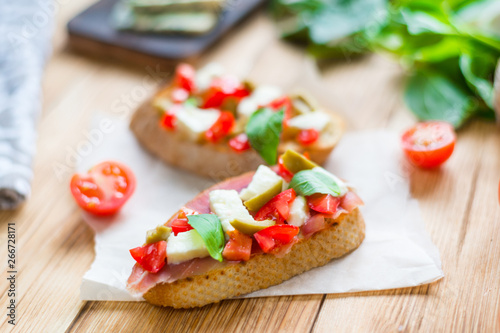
x,y
104,189
308,137
429,144
151,256
323,203
239,246
240,143
185,77
278,208
275,236
221,128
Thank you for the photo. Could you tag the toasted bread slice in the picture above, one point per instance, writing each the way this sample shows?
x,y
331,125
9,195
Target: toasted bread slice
x,y
217,161
262,270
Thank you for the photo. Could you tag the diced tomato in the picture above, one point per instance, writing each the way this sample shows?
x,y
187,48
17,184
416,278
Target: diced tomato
x,y
168,120
283,102
186,211
323,203
286,174
179,95
278,208
223,88
151,256
180,224
275,236
221,128
429,144
308,137
239,246
104,189
185,77
240,143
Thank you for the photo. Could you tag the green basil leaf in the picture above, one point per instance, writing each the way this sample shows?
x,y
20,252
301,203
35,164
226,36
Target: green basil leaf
x,y
263,130
309,182
210,230
433,96
478,70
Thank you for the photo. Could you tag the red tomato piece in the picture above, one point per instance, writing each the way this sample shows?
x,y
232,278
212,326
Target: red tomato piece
x,y
429,144
283,171
240,143
283,102
323,203
185,77
273,237
179,95
278,208
168,121
239,246
221,128
151,256
308,137
104,189
223,88
180,224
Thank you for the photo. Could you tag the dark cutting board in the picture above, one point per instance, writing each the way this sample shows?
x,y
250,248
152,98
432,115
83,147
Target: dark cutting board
x,y
91,32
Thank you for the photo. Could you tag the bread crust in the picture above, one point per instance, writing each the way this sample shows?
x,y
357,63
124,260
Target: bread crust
x,y
262,270
217,161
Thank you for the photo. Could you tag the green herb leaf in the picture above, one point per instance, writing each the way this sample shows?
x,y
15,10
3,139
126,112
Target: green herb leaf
x,y
263,130
309,182
478,70
432,96
210,230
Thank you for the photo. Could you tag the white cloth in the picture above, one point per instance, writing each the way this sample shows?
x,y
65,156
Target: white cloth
x,y
25,32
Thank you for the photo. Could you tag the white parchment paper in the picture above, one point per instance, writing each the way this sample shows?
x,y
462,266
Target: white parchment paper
x,y
397,252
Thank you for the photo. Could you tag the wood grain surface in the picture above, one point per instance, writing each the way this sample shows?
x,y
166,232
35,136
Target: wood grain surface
x,y
55,247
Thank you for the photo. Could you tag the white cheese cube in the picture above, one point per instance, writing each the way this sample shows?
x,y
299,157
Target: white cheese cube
x,y
263,180
205,75
193,122
299,212
185,246
227,205
262,95
313,120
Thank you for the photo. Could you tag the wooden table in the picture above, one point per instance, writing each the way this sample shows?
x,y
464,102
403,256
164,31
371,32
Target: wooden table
x,y
459,204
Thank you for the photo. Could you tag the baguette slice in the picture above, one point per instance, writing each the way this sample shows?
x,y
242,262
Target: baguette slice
x,y
262,270
217,161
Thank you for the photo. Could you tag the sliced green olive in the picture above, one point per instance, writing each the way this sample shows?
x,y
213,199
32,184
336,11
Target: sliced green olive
x,y
255,203
250,228
160,233
296,162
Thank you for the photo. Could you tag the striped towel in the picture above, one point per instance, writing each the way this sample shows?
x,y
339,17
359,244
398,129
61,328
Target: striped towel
x,y
25,32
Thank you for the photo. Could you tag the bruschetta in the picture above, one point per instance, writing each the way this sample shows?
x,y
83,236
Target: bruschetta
x,y
218,126
248,233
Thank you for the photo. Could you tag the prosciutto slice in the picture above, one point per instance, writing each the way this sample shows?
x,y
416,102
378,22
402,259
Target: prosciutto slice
x,y
140,281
